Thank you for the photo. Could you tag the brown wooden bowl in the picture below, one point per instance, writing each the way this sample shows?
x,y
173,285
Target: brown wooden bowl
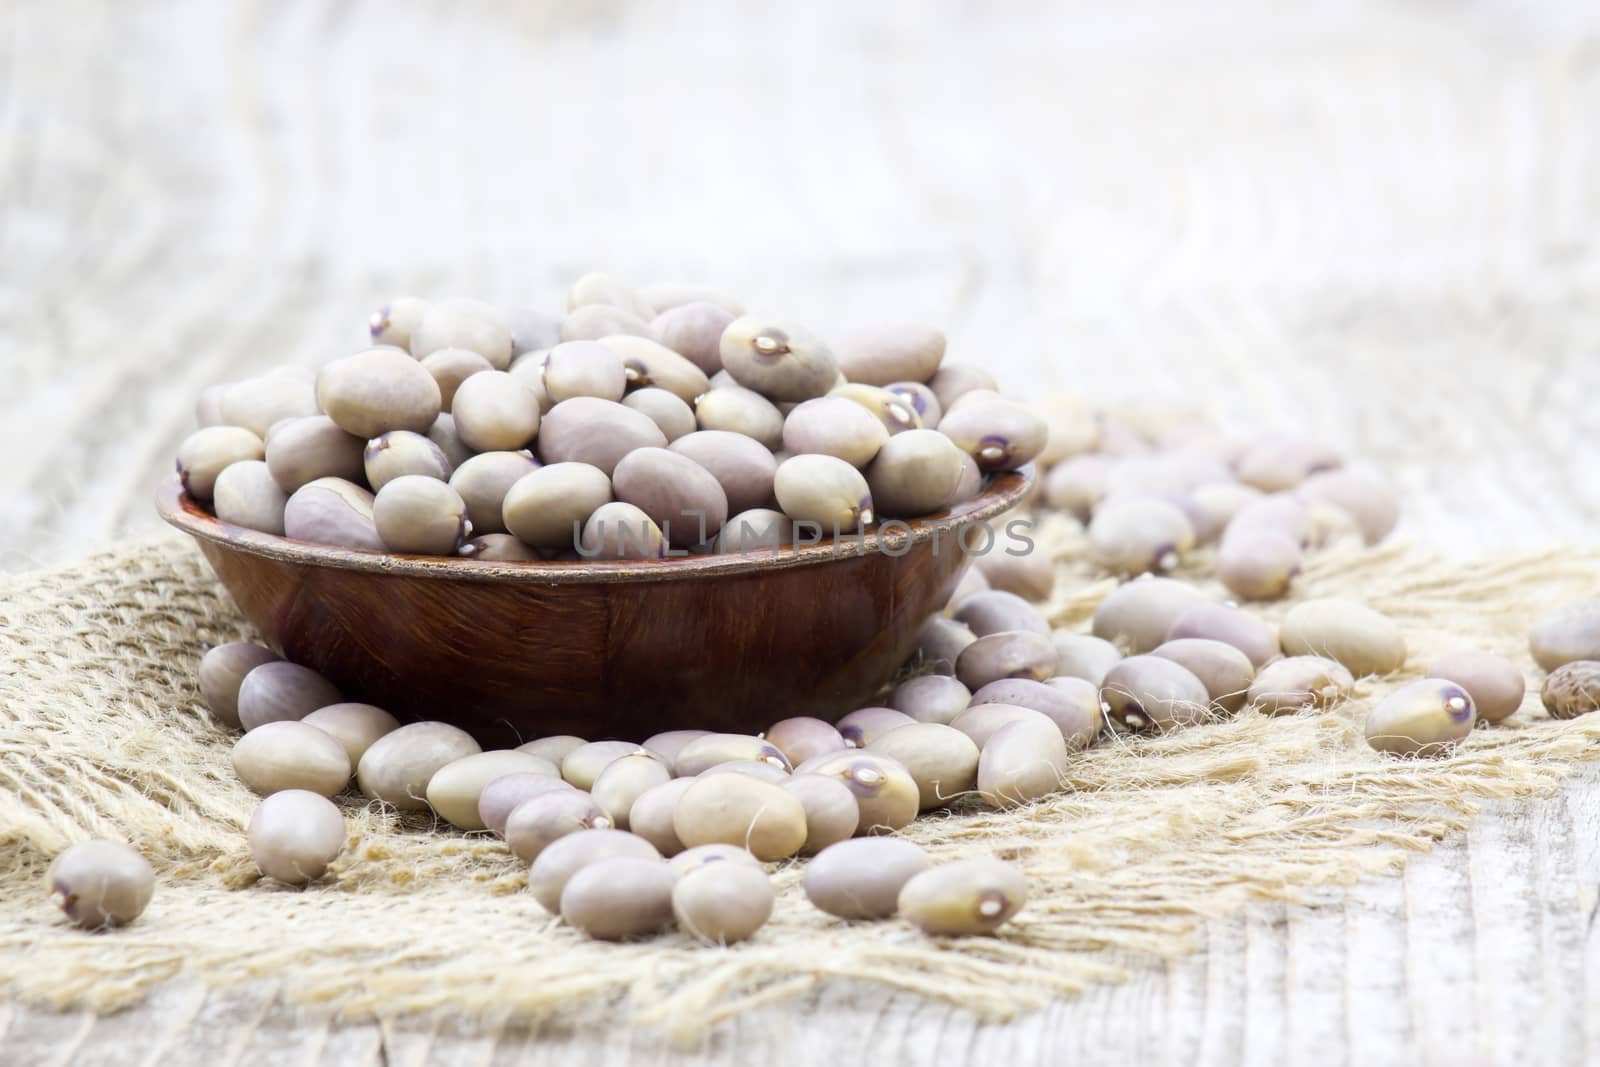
x,y
514,651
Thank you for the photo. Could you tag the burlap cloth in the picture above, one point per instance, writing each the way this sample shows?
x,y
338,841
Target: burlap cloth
x,y
102,734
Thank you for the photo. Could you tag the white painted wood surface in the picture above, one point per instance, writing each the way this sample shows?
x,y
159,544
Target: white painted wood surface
x,y
1375,221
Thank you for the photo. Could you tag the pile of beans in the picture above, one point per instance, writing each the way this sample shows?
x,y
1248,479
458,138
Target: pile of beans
x,y
1148,497
643,423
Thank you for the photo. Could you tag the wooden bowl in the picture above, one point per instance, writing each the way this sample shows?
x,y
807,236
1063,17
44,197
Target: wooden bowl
x,y
514,651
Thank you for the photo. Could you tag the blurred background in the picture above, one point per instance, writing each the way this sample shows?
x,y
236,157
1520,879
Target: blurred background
x,y
1374,222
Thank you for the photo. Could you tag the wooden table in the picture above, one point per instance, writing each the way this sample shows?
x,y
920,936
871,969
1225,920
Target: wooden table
x,y
1373,222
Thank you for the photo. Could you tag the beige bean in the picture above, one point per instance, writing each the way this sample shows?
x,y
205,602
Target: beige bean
x,y
999,435
222,673
862,879
1150,692
565,857
652,813
483,482
1225,671
378,390
296,835
1136,615
332,511
954,380
624,780
885,792
1425,718
582,766
861,727
495,412
397,768
450,367
915,473
206,453
1138,534
278,690
999,611
584,368
597,287
505,794
1369,501
892,409
1572,689
823,490
290,755
754,530
554,748
548,816
548,507
692,859
354,726
455,789
1258,562
780,360
736,809
940,643
941,760
723,903
1364,640
618,898
702,753
834,426
1493,682
393,323
1008,654
668,411
888,353
498,548
1022,762
742,411
694,331
618,531
246,495
399,453
598,432
420,515
802,737
257,404
469,324
683,498
1570,632
1232,625
305,449
1083,656
1299,683
649,364
744,467
1071,703
593,322
832,813
667,744
931,698
974,896
443,433
532,330
101,883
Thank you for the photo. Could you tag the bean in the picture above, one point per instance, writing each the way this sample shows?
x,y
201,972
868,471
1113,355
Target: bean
x,y
1023,761
620,531
584,368
624,780
1222,669
1280,512
378,390
206,453
1276,463
1424,718
723,903
1572,689
702,753
780,360
864,725
452,366
832,813
674,417
1299,683
941,760
354,726
750,531
862,879
999,435
743,411
600,288
1015,565
803,737
619,898
420,515
834,426
920,399
679,495
443,433
823,490
666,296
892,409
582,766
1369,501
888,353
564,858
399,765
532,329
555,748
1139,534
528,369
593,322
399,453
652,812
1077,485
694,331
505,794
914,473
954,380
971,584
469,324
1364,640
1071,703
222,672
1083,656
736,809
885,792
598,432
290,755
982,721
1213,507
1571,632
278,690
495,412
692,859
940,643
649,364
975,896
1231,625
305,449
456,788
999,611
483,482
1257,563
931,698
667,744
257,404
547,507
101,883
1495,685
498,548
1008,654
332,511
548,816
1136,615
1151,692
393,323
295,836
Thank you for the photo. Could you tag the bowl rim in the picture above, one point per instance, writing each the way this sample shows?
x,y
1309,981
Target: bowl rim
x,y
1001,493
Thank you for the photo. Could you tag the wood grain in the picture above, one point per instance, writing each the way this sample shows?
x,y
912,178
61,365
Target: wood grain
x,y
1374,222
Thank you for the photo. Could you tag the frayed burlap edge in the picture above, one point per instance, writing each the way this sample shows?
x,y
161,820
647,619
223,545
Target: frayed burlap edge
x,y
102,735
